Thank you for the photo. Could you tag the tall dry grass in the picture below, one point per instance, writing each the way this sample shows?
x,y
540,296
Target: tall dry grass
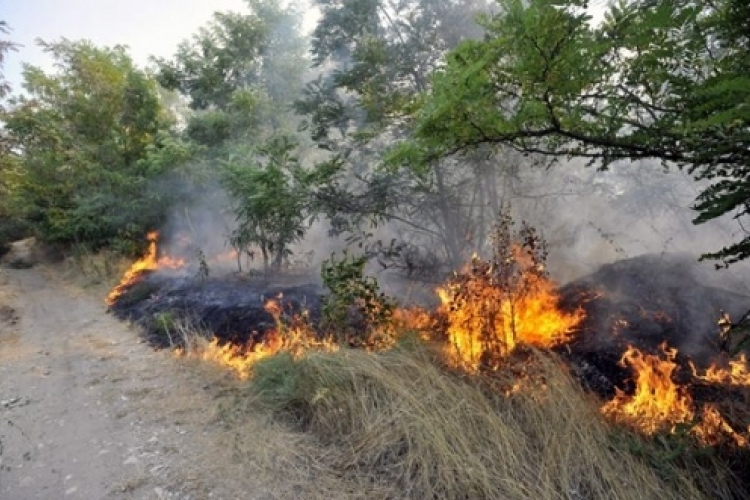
x,y
398,425
102,269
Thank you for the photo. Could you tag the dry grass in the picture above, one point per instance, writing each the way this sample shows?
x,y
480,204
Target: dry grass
x,y
104,268
396,425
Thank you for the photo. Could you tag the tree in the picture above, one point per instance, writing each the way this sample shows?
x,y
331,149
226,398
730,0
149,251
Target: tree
x,y
239,75
10,227
273,199
656,80
377,56
83,135
240,72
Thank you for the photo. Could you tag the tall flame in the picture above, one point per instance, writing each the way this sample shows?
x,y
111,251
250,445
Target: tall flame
x,y
487,320
148,262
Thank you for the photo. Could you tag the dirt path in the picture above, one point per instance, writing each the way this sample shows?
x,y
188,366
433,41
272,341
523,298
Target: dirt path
x,y
87,411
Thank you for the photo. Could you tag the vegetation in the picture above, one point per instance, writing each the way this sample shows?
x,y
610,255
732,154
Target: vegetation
x,y
412,122
273,199
664,80
398,425
355,309
87,137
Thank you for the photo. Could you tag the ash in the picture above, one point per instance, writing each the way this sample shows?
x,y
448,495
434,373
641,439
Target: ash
x,y
229,307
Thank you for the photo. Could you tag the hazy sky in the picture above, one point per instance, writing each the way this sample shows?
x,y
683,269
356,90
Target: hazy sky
x,y
147,27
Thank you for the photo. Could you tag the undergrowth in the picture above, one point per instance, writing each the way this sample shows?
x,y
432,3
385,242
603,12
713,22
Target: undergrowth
x,y
104,267
400,422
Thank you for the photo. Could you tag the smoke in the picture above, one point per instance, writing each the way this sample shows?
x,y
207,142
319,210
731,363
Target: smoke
x,y
589,218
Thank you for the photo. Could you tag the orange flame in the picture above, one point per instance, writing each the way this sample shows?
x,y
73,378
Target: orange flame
x,y
235,358
148,262
486,321
293,335
738,373
660,404
713,429
658,401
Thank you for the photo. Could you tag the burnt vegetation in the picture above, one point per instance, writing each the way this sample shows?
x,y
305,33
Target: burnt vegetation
x,y
476,249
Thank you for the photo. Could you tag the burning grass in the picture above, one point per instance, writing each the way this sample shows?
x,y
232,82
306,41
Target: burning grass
x,y
660,404
505,424
149,262
293,334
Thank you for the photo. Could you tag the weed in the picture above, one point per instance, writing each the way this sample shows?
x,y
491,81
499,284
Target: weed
x,y
355,308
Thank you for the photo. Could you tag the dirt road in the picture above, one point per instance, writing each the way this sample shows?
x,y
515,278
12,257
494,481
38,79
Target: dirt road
x,y
87,411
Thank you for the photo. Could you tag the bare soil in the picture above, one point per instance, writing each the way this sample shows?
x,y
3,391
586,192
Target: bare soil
x,y
88,411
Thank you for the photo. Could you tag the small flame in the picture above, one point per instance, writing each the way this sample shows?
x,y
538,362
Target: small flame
x,y
737,374
658,401
713,428
293,335
236,358
148,262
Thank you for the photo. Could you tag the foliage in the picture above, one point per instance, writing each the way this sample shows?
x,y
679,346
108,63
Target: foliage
x,y
273,199
381,54
10,227
238,72
5,47
665,80
92,141
355,308
238,75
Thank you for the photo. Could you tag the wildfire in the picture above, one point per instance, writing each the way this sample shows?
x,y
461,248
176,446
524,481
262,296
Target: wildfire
x,y
659,403
148,262
487,318
236,358
738,373
292,334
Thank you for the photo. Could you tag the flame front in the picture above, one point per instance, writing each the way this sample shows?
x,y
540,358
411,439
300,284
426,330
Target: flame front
x,y
293,335
738,373
236,358
149,262
660,404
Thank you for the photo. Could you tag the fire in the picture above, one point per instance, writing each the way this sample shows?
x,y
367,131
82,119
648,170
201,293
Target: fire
x,y
737,374
148,262
658,401
293,335
660,404
488,317
238,359
713,428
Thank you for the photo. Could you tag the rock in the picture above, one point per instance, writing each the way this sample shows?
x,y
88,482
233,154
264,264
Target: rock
x,y
22,254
